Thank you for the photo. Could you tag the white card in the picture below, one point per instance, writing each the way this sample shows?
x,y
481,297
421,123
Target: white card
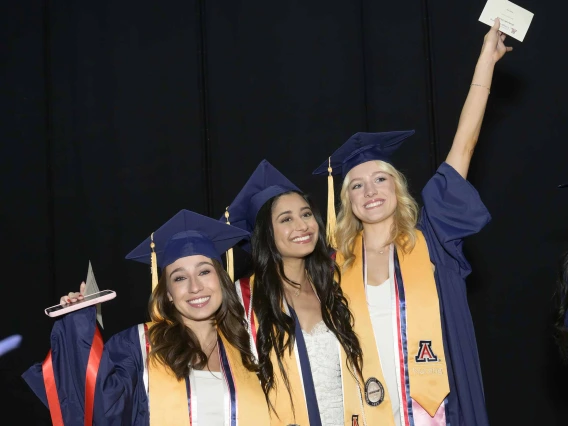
x,y
91,288
515,20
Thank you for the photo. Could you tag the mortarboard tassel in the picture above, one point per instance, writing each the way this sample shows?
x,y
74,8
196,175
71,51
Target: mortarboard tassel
x,y
153,263
330,227
229,255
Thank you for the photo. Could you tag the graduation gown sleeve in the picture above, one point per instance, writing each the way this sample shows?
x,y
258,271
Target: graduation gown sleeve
x,y
452,211
120,394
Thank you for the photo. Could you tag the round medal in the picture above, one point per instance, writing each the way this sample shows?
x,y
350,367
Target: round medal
x,y
374,392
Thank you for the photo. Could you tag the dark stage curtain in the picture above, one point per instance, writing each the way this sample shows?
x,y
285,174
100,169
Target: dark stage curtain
x,y
115,115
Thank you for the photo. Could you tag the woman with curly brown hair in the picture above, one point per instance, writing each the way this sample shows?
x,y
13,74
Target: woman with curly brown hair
x,y
182,368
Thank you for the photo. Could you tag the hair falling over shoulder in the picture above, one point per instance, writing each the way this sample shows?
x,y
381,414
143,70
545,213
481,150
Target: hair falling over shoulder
x,y
176,345
276,328
403,233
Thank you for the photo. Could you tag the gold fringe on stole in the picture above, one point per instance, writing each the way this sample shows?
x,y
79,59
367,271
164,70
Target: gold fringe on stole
x,y
229,254
153,263
330,226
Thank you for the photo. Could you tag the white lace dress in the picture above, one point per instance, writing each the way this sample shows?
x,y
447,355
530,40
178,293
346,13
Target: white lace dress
x,y
325,363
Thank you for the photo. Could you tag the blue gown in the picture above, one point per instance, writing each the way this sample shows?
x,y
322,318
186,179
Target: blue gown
x,y
120,393
452,211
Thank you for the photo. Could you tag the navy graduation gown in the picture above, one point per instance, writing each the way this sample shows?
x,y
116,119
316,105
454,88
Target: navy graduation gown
x,y
120,394
452,211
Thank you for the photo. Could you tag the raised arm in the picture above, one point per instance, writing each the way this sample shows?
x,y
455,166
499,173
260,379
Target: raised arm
x,y
473,110
116,389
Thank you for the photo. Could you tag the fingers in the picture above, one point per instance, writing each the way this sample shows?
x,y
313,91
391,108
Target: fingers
x,y
72,297
82,288
496,24
509,48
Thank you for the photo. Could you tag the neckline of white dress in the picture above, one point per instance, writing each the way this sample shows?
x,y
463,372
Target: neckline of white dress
x,y
319,328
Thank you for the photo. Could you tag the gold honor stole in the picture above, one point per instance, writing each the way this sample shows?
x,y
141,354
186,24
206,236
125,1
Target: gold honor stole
x,y
283,415
171,401
422,374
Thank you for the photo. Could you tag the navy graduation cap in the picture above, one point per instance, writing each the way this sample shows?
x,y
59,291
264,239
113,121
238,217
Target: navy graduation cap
x,y
265,182
186,234
359,148
363,147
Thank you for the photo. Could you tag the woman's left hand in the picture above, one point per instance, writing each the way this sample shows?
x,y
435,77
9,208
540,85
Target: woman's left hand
x,y
494,44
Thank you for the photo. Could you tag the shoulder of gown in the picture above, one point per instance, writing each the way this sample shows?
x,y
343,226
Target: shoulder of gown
x,y
452,211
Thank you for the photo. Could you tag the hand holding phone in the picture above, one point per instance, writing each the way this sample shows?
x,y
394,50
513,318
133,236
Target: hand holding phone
x,y
75,301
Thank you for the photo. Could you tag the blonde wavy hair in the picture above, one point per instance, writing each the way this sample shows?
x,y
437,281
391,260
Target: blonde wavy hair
x,y
403,232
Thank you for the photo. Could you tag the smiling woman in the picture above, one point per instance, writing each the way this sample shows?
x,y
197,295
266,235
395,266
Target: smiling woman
x,y
295,306
404,273
172,370
294,225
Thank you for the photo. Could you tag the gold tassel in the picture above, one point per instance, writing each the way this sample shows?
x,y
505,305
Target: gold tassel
x,y
229,254
153,263
330,227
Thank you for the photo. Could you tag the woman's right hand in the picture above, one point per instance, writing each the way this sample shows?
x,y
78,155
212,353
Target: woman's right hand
x,y
73,297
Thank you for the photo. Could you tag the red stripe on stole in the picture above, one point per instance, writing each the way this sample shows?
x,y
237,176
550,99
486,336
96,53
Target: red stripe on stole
x,y
245,291
91,378
401,357
51,391
90,382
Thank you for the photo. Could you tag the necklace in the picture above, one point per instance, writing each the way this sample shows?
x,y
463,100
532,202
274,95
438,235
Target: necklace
x,y
384,249
214,346
209,345
296,291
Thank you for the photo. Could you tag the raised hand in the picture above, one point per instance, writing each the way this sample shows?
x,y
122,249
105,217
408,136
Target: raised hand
x,y
73,297
494,44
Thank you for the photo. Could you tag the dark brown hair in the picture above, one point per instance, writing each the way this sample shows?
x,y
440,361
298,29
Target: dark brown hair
x,y
276,330
176,345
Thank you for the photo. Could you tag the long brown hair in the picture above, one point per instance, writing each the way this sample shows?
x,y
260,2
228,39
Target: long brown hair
x,y
176,345
276,330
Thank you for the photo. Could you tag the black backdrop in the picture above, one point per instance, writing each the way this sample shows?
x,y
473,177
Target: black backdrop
x,y
115,115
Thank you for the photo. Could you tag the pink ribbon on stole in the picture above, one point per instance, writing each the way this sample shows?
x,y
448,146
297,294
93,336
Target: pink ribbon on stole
x,y
422,418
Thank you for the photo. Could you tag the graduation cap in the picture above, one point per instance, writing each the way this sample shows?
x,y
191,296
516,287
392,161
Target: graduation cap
x,y
265,183
185,234
359,148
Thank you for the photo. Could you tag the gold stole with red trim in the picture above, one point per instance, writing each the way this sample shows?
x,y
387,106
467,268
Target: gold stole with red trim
x,y
428,386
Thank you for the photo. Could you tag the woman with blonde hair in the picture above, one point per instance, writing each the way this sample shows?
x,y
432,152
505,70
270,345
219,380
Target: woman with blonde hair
x,y
403,273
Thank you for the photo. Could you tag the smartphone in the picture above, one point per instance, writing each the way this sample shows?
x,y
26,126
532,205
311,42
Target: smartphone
x,y
91,299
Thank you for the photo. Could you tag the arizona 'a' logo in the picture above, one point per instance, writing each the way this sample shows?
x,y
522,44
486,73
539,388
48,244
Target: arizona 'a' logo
x,y
425,352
